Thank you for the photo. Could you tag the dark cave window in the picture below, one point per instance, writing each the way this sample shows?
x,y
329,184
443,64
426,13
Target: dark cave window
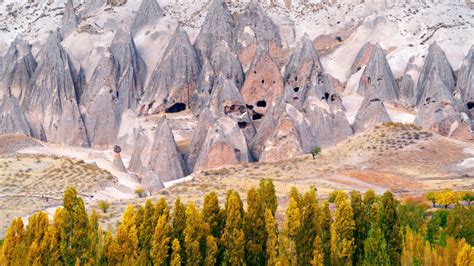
x,y
249,106
470,105
296,78
242,124
326,95
375,100
256,116
176,108
296,89
262,103
369,80
263,81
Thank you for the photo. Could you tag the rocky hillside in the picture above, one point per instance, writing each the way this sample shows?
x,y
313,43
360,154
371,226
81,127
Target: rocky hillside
x,y
184,86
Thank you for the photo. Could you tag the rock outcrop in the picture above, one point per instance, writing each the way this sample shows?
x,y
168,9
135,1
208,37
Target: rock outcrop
x,y
51,99
173,82
157,159
465,80
117,164
12,119
377,80
100,104
69,21
371,112
362,57
18,67
149,13
217,28
436,61
132,69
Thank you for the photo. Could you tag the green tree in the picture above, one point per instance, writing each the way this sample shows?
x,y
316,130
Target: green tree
x,y
459,223
161,241
161,208
179,224
431,197
210,257
271,229
146,229
292,229
104,205
310,227
266,189
390,226
195,235
94,236
75,242
412,214
326,221
318,253
342,232
375,248
175,254
361,222
254,230
233,238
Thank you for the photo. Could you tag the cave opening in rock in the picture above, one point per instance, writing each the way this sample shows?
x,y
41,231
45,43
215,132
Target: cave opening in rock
x,y
249,106
263,81
296,89
296,78
470,105
375,100
176,108
262,103
369,80
256,116
242,124
326,95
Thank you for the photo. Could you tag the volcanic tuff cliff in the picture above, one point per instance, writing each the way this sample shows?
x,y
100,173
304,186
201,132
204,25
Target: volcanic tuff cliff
x,y
259,83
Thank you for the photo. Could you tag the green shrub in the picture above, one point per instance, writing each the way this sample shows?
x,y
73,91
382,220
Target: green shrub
x,y
104,205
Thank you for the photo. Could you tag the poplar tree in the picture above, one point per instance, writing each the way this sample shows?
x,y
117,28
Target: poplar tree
x,y
318,253
213,215
195,235
310,227
146,229
210,257
127,237
233,238
254,230
266,189
14,245
271,229
292,229
36,235
326,221
175,253
342,232
161,240
375,248
360,226
75,240
390,226
94,236
161,208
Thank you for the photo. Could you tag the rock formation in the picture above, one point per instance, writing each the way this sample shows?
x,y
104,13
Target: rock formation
x,y
173,82
262,87
91,6
100,104
147,14
465,81
51,99
132,69
157,159
12,119
377,80
371,112
205,121
436,61
362,57
69,21
225,144
117,163
217,28
18,67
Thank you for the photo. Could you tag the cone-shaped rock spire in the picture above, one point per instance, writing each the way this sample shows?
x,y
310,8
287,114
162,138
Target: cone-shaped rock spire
x,y
69,21
51,102
157,159
465,81
148,13
371,112
378,81
18,67
12,119
362,57
217,28
173,82
436,61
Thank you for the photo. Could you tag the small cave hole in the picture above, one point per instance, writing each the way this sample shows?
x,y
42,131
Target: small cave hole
x,y
256,116
296,78
470,105
249,106
176,108
326,95
263,81
296,89
333,97
428,100
375,100
369,80
296,98
242,124
262,103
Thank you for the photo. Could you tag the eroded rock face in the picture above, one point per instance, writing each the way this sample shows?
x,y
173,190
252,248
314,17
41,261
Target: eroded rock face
x,y
51,99
377,80
205,121
225,144
465,81
407,90
149,13
100,104
17,69
217,28
157,159
371,112
362,57
173,82
132,69
262,87
436,61
12,119
69,21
